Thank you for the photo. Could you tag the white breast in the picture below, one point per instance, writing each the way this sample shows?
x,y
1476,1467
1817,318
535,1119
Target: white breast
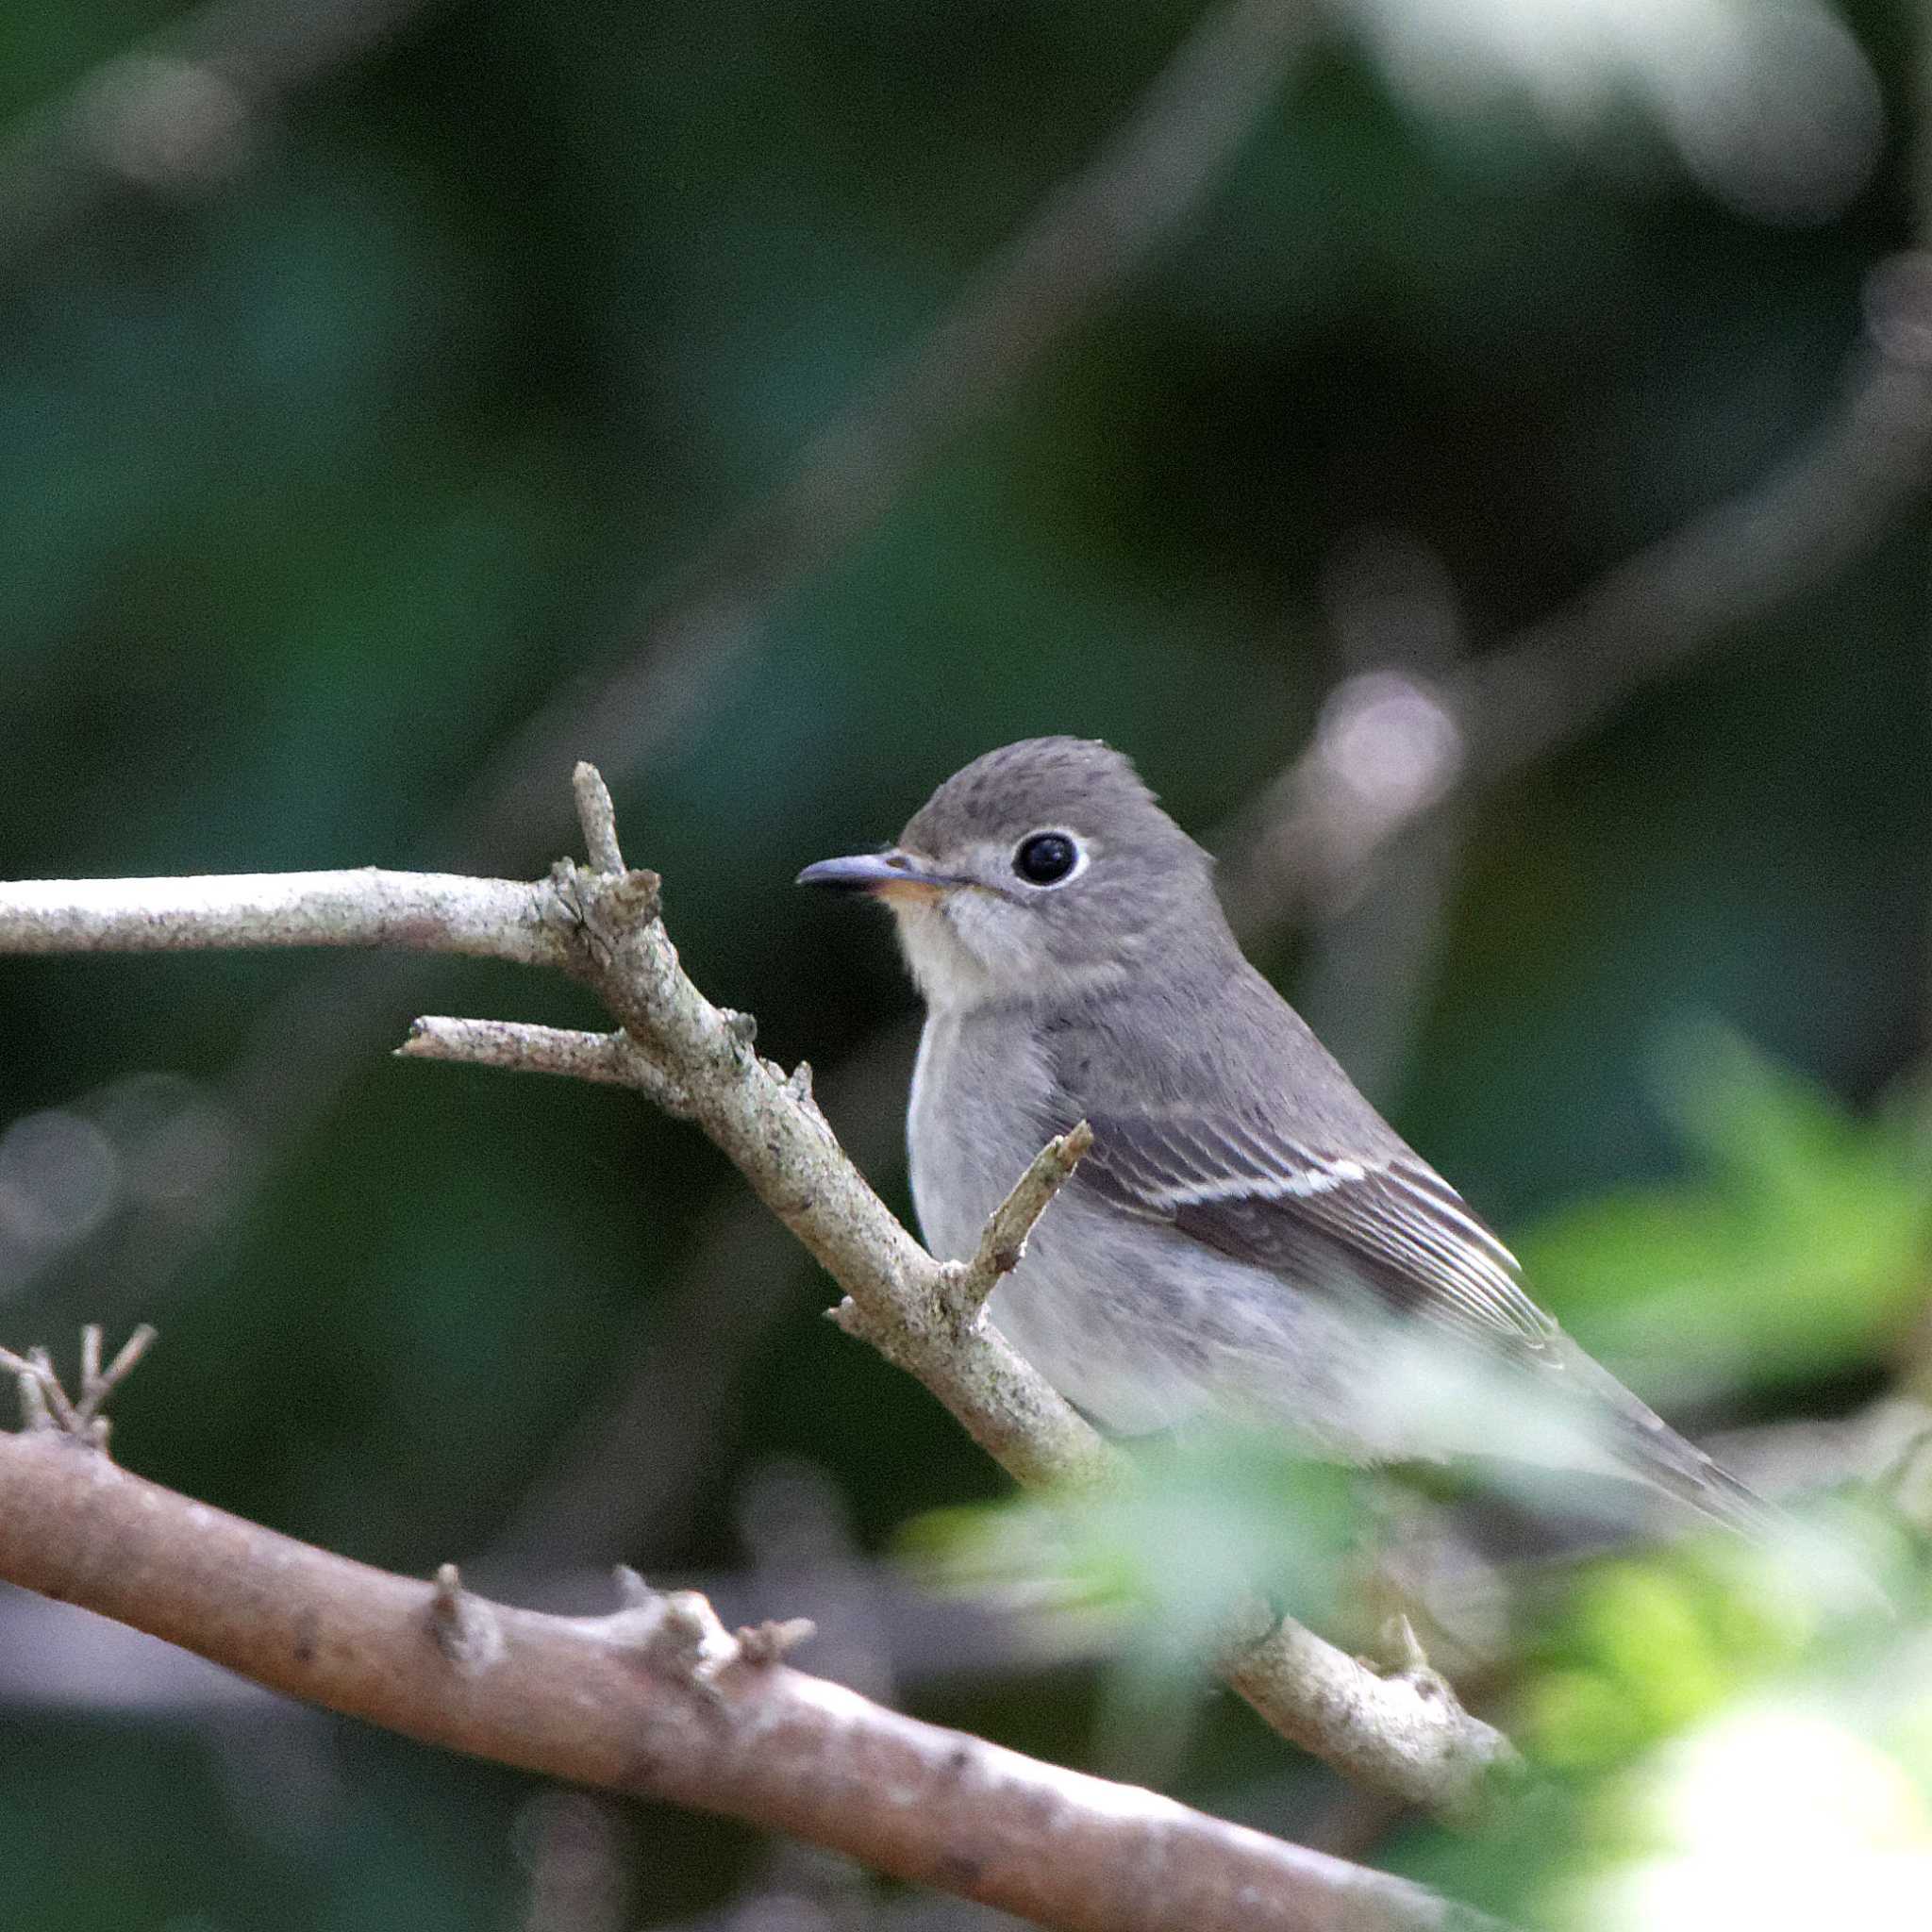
x,y
1084,1306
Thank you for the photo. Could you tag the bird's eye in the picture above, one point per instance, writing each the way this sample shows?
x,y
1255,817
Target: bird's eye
x,y
1045,858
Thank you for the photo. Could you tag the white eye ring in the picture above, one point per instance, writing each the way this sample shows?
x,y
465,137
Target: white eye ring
x,y
1049,858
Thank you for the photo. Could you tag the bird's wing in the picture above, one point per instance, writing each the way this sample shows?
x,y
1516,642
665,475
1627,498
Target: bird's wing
x,y
1391,1223
1322,1219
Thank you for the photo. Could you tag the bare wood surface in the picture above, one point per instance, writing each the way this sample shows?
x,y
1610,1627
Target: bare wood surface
x,y
660,1701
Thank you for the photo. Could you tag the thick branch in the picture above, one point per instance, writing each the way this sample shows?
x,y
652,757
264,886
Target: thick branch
x,y
658,1700
603,929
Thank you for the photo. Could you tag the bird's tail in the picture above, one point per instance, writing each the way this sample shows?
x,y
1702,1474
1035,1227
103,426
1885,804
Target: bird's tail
x,y
1632,1439
1678,1468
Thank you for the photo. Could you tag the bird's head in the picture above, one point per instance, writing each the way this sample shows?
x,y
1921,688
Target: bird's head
x,y
1044,866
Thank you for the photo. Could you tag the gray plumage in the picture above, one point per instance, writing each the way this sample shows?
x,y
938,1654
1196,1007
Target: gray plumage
x,y
1248,1237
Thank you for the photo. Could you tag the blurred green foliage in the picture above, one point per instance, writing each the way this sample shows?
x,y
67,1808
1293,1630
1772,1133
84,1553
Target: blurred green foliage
x,y
1799,1246
317,480
1709,1733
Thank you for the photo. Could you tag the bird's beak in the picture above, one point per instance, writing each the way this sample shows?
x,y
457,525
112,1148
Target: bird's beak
x,y
881,875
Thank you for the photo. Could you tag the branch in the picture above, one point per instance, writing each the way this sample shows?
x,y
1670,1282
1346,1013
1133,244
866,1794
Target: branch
x,y
414,911
659,1701
603,929
607,1059
57,1660
1003,1242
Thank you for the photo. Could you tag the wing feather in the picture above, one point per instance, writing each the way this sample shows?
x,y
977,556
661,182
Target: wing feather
x,y
1321,1218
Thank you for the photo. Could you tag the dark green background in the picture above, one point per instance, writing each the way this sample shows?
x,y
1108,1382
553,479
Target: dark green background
x,y
314,485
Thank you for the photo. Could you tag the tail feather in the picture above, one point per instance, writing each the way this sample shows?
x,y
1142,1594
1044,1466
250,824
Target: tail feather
x,y
1646,1446
1680,1470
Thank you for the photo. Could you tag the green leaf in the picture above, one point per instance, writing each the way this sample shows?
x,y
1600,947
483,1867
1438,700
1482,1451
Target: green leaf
x,y
1796,1244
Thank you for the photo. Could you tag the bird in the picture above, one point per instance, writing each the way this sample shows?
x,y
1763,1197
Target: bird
x,y
1246,1239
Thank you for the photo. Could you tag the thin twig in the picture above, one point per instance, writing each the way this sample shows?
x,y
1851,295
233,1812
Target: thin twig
x,y
35,1408
1003,1240
608,1060
66,1417
97,1387
46,1404
598,817
31,1378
